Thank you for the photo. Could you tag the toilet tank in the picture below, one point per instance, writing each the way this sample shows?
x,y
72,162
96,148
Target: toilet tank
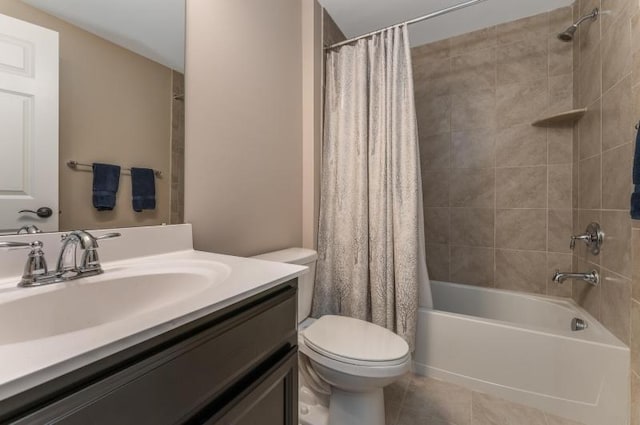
x,y
303,257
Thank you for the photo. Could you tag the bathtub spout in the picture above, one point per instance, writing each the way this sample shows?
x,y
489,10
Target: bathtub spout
x,y
593,277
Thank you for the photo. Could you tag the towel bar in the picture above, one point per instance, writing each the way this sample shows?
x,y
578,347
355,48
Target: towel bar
x,y
75,164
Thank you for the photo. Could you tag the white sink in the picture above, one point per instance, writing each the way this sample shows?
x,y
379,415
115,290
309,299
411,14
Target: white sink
x,y
118,294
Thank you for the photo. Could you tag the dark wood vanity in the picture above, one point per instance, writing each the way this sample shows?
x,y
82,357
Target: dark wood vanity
x,y
237,365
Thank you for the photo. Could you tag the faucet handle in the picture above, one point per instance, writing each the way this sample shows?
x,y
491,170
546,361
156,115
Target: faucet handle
x,y
36,265
109,236
32,245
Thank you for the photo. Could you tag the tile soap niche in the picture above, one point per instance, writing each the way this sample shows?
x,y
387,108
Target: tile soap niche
x,y
560,119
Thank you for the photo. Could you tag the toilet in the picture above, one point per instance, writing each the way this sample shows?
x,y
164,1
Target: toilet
x,y
346,359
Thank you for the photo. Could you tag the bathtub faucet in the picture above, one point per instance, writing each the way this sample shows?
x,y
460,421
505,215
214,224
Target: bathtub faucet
x,y
593,277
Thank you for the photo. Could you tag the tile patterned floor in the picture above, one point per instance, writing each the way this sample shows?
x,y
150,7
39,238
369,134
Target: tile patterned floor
x,y
416,400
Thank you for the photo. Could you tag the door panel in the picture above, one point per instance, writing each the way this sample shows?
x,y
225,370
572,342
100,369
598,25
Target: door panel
x,y
28,124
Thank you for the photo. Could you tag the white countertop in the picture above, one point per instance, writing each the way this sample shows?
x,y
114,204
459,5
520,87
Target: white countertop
x,y
26,364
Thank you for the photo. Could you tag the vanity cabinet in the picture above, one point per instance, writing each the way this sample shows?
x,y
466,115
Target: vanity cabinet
x,y
235,366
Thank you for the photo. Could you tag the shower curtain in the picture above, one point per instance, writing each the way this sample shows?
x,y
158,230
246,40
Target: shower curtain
x,y
371,230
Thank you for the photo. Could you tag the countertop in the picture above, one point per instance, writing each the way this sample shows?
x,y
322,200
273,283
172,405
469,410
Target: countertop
x,y
26,364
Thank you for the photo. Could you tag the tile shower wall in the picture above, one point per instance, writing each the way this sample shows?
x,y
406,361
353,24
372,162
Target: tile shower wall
x,y
497,191
607,82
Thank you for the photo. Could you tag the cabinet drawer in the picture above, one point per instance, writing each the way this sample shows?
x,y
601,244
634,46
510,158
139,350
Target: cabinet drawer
x,y
174,384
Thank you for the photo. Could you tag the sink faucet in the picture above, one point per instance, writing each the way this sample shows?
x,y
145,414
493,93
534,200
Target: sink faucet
x,y
36,272
90,263
593,277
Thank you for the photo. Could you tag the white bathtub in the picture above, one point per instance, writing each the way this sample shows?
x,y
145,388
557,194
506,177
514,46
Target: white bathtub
x,y
520,347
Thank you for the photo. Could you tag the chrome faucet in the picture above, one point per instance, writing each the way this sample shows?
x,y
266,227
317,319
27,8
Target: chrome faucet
x,y
30,229
90,263
593,277
36,272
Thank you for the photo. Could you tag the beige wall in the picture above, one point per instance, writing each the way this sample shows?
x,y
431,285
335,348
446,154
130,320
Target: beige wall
x,y
497,191
243,152
607,82
312,70
115,108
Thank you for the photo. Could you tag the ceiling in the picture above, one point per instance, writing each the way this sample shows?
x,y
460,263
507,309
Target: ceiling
x,y
356,17
152,28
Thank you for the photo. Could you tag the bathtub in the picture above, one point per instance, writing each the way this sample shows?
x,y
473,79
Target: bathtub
x,y
520,347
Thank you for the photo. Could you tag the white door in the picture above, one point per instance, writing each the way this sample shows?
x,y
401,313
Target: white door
x,y
28,125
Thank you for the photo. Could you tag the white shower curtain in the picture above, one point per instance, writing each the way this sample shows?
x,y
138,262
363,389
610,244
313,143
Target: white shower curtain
x,y
370,238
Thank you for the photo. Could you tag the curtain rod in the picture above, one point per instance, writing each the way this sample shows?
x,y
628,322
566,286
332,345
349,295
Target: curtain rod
x,y
412,21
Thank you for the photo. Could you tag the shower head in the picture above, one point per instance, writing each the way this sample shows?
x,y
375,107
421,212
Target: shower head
x,y
567,35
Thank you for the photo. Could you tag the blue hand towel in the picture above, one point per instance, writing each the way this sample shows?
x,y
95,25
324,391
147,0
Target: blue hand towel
x,y
106,178
635,196
143,189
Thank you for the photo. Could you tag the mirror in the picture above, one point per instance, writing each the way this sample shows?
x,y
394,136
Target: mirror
x,y
84,81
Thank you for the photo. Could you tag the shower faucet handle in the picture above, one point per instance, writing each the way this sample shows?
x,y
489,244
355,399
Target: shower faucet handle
x,y
593,238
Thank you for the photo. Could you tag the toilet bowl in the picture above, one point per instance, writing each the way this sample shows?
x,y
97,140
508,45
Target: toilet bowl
x,y
350,359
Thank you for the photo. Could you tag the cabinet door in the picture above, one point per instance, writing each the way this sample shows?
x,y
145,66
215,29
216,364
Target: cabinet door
x,y
271,400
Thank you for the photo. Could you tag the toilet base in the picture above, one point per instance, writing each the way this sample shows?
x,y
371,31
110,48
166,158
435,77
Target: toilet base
x,y
356,408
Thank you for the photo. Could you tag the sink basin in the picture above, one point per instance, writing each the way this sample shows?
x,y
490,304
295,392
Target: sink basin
x,y
116,295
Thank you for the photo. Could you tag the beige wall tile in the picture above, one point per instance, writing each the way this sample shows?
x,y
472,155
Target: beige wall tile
x,y
590,183
560,225
616,304
560,145
520,270
474,71
635,49
521,145
559,186
489,410
589,31
473,148
523,229
617,115
590,77
473,41
432,80
521,187
521,102
560,93
472,265
563,263
616,48
472,226
522,61
560,54
616,177
431,52
532,27
585,294
589,128
436,222
438,262
616,9
473,110
472,188
435,151
435,188
635,336
616,250
433,114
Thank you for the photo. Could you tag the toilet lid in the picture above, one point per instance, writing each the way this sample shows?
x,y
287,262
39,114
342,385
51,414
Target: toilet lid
x,y
355,340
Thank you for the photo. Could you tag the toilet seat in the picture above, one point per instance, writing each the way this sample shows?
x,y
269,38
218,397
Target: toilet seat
x,y
355,347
